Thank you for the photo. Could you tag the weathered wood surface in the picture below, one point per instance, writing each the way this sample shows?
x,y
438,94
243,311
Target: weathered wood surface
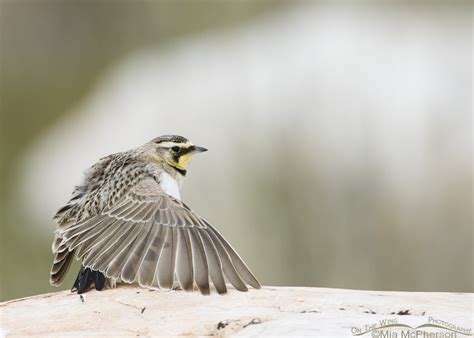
x,y
294,311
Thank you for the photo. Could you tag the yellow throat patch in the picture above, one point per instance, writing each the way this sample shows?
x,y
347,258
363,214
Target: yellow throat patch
x,y
184,161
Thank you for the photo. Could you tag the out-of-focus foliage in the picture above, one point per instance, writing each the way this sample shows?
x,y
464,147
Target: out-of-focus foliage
x,y
313,196
52,52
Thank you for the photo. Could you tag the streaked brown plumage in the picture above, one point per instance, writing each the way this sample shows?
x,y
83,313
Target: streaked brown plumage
x,y
126,222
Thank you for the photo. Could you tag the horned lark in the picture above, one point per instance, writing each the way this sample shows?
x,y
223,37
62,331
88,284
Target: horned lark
x,y
126,222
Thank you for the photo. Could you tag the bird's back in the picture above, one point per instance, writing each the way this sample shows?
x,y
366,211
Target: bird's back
x,y
104,183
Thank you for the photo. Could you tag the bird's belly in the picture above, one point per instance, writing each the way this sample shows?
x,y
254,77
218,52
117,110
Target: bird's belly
x,y
169,185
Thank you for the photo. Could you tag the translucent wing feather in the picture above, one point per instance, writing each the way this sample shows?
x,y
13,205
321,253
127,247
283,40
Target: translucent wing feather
x,y
150,237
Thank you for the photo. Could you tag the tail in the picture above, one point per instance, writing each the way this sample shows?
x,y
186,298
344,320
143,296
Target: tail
x,y
86,277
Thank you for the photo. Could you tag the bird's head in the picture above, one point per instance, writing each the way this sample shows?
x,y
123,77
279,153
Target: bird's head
x,y
175,150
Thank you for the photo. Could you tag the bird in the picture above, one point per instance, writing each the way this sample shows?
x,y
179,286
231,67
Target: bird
x,y
126,223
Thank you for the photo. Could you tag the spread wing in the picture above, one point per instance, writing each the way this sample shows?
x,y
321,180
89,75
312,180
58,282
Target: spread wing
x,y
149,237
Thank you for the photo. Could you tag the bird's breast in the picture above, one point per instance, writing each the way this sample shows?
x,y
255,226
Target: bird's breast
x,y
170,185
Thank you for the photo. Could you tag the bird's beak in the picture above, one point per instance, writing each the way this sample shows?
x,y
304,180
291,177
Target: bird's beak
x,y
198,150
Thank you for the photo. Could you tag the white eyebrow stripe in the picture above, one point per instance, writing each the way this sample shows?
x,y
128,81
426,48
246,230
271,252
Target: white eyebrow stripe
x,y
172,144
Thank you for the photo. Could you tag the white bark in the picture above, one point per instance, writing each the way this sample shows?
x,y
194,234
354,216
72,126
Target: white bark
x,y
130,310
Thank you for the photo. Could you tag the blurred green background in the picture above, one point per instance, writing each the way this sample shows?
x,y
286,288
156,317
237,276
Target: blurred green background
x,y
374,212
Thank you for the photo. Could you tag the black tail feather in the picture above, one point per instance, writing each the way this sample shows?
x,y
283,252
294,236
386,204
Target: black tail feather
x,y
86,277
99,280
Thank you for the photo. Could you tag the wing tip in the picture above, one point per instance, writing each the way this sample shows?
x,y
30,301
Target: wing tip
x,y
205,292
254,282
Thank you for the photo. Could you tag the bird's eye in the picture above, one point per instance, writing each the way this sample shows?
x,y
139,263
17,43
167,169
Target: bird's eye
x,y
175,149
